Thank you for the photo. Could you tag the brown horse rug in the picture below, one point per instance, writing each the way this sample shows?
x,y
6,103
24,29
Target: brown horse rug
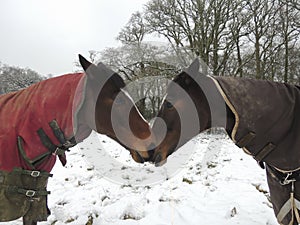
x,y
267,126
35,128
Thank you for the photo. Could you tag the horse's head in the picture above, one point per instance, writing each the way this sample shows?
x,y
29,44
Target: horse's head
x,y
109,110
185,113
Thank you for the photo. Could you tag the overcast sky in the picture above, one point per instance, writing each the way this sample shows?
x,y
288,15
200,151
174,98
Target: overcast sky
x,y
47,35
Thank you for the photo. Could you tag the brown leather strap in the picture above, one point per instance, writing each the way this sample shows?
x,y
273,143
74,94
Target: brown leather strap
x,y
262,154
245,140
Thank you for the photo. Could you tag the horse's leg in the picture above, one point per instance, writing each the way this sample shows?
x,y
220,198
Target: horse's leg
x,y
280,194
27,221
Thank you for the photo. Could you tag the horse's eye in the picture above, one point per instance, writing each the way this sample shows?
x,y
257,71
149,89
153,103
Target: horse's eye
x,y
169,105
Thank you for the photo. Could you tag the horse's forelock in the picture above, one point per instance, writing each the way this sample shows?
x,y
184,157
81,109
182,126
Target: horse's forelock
x,y
183,80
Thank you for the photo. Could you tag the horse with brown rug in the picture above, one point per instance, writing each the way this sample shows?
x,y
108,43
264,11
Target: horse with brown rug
x,y
41,122
262,117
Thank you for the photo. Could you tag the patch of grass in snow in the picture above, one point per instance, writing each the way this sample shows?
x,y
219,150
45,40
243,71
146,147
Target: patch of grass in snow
x,y
260,188
126,185
186,180
233,212
129,217
104,197
70,220
54,222
149,170
167,199
211,165
90,220
62,203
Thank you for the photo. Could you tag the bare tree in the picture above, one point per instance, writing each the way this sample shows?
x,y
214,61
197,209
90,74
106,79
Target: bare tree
x,y
231,35
144,68
204,26
15,78
134,31
289,33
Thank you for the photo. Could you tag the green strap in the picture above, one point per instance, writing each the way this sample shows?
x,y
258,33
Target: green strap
x,y
49,144
57,150
32,173
57,132
46,140
29,193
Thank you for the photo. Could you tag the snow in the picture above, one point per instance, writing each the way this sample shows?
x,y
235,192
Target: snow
x,y
218,185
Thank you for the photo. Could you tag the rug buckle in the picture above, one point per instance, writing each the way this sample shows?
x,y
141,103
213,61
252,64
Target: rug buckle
x,y
30,193
287,180
35,173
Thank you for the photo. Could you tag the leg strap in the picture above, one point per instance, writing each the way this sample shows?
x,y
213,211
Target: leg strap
x,y
28,193
292,205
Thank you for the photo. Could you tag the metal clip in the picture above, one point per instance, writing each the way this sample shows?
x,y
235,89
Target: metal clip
x,y
67,144
57,150
35,173
30,193
287,180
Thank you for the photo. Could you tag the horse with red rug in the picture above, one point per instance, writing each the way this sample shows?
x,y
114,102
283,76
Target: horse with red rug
x,y
41,123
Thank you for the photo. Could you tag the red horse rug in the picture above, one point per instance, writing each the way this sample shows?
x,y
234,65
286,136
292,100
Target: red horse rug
x,y
37,124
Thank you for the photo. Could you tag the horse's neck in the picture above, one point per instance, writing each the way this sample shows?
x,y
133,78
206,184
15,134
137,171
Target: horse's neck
x,y
84,119
215,111
227,123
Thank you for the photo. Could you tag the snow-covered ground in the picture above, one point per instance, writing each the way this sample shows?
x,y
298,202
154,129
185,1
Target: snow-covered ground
x,y
218,185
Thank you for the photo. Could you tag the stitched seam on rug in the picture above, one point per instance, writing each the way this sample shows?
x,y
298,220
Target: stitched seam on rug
x,y
237,119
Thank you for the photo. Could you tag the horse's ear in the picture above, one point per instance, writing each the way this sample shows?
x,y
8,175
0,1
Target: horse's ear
x,y
183,79
193,69
100,73
84,62
89,68
189,74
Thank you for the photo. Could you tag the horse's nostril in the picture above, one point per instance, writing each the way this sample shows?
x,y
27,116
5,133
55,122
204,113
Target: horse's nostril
x,y
141,159
151,148
157,160
150,153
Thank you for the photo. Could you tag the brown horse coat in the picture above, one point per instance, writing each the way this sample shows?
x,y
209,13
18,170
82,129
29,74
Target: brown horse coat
x,y
267,126
267,121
